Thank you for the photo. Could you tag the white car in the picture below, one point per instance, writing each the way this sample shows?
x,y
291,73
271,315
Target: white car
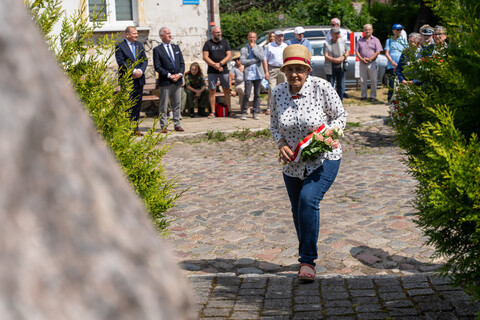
x,y
351,76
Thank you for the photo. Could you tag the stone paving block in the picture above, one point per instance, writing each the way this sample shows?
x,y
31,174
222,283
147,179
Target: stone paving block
x,y
280,281
276,312
360,283
278,317
416,285
306,292
224,289
372,316
339,311
368,308
398,303
271,304
428,306
278,294
393,288
307,307
332,288
363,293
335,295
244,315
308,315
466,308
440,316
306,299
251,292
414,278
340,317
455,295
216,312
402,312
247,306
420,292
393,295
338,303
220,303
428,298
334,281
363,300
257,284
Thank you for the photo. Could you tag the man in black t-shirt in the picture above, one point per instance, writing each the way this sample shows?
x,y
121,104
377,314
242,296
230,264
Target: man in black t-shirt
x,y
217,53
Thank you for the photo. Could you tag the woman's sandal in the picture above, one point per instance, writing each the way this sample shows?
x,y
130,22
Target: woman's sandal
x,y
211,115
306,276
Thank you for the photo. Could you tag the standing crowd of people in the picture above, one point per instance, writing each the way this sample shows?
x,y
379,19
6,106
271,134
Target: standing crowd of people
x,y
255,65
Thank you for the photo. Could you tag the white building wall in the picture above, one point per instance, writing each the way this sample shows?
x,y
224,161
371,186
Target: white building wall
x,y
189,24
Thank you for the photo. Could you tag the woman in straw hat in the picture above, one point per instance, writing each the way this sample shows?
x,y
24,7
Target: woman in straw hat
x,y
299,107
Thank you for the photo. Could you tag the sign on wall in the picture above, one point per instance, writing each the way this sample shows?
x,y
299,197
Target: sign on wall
x,y
191,1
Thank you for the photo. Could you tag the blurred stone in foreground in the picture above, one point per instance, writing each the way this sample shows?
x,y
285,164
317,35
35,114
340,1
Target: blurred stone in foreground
x,y
75,241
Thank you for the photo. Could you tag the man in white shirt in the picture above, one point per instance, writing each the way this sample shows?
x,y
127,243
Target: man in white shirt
x,y
274,59
335,23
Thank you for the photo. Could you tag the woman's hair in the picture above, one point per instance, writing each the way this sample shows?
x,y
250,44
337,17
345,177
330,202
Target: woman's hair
x,y
268,37
195,64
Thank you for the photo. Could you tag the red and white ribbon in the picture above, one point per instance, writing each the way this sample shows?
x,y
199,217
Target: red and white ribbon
x,y
304,143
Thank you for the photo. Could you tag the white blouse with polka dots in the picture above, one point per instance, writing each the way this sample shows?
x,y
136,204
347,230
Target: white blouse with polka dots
x,y
293,118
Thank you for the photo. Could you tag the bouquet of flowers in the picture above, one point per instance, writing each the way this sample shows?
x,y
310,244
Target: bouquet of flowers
x,y
320,141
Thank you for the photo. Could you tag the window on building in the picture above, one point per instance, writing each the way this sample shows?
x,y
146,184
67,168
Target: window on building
x,y
113,12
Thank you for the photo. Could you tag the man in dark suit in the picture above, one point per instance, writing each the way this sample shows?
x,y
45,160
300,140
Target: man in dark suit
x,y
169,64
130,53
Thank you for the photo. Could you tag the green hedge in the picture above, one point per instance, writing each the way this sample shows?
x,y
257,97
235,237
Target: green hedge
x,y
440,136
87,65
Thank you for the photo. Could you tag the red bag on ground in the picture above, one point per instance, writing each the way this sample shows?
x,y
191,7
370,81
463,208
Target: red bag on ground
x,y
221,110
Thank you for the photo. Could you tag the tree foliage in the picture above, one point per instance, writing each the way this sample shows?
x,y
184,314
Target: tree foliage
x,y
440,136
387,14
236,25
87,65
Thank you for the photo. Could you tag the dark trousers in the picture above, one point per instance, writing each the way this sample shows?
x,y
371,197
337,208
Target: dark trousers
x,y
337,80
391,83
136,97
202,102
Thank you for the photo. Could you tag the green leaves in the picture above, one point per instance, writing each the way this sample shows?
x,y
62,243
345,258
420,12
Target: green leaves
x,y
87,64
441,141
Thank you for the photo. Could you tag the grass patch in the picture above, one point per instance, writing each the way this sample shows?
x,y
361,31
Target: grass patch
x,y
353,124
242,135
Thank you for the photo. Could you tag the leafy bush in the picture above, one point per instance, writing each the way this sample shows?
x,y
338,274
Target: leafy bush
x,y
86,64
440,136
386,14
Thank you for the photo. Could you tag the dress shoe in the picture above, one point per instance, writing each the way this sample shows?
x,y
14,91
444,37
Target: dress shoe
x,y
179,129
138,133
165,130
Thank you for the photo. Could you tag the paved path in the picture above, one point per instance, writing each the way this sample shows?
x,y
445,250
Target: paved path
x,y
233,233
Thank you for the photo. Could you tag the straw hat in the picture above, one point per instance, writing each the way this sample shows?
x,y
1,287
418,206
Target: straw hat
x,y
236,55
296,54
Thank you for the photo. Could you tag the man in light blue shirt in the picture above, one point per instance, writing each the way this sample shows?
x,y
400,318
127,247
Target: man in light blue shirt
x,y
393,50
299,34
252,58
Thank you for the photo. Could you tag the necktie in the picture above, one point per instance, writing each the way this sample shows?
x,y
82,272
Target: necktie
x,y
132,46
170,53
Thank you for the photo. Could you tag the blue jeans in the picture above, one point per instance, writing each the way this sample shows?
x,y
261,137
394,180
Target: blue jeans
x,y
337,80
256,95
305,196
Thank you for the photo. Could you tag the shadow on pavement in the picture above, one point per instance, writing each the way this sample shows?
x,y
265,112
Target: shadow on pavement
x,y
237,266
374,139
381,259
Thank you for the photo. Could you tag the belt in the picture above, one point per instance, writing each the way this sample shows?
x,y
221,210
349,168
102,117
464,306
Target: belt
x,y
274,66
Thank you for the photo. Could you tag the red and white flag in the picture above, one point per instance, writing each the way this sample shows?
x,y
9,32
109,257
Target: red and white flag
x,y
304,143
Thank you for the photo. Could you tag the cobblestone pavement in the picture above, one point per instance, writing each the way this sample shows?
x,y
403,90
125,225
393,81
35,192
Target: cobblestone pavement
x,y
234,236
